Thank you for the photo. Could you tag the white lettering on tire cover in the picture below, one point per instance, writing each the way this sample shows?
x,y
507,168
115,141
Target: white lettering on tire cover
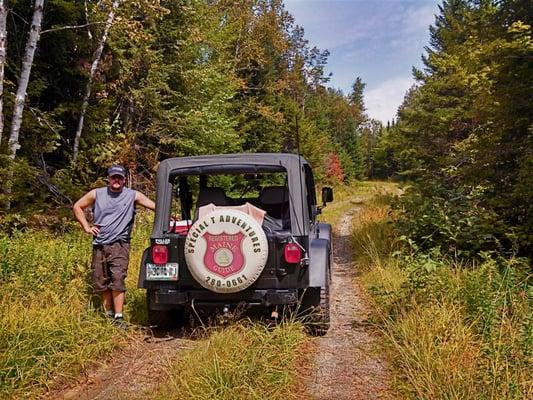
x,y
226,251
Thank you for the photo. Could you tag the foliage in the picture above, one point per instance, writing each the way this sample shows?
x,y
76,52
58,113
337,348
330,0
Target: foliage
x,y
452,220
175,78
464,134
456,330
334,169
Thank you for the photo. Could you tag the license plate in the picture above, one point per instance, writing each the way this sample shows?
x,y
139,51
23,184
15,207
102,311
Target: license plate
x,y
165,272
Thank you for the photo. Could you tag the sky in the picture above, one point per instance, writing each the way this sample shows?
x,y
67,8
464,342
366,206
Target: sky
x,y
378,40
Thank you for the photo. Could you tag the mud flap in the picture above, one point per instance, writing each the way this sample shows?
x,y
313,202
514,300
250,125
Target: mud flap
x,y
319,262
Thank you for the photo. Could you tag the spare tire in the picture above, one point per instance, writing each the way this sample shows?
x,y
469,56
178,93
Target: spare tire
x,y
226,250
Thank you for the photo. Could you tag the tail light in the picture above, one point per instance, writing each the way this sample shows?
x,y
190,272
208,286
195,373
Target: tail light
x,y
292,253
159,254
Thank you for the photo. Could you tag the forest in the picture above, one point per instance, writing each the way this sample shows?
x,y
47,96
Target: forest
x,y
444,251
91,83
464,133
138,81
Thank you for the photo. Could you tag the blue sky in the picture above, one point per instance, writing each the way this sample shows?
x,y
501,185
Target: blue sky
x,y
378,40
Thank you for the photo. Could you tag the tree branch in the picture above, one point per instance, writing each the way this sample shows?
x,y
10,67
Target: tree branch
x,y
62,28
87,19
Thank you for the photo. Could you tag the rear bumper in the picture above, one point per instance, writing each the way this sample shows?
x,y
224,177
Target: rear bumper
x,y
164,299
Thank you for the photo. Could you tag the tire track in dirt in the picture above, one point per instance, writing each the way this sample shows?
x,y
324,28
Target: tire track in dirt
x,y
134,372
347,365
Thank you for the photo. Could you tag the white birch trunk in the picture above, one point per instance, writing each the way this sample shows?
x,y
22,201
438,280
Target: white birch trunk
x,y
31,45
3,49
94,67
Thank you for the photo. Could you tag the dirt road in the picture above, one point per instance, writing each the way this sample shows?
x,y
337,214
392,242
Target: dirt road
x,y
347,363
133,373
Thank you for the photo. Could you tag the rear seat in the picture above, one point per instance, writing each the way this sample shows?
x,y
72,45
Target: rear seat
x,y
215,195
275,201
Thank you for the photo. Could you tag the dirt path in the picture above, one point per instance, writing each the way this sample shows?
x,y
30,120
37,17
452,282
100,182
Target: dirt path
x,y
133,373
347,364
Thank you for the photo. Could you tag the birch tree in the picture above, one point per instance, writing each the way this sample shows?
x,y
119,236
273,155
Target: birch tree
x,y
31,45
94,67
3,47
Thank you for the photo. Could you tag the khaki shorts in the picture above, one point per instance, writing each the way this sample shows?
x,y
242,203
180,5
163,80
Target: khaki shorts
x,y
110,267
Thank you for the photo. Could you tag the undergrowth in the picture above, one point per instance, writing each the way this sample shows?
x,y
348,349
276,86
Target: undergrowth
x,y
457,329
51,327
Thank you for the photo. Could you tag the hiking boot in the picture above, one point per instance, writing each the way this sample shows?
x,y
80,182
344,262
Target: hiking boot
x,y
120,323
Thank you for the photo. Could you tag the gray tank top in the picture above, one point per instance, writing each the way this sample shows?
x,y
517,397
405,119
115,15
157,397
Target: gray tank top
x,y
114,214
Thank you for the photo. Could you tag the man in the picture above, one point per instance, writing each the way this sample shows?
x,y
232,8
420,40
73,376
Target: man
x,y
114,211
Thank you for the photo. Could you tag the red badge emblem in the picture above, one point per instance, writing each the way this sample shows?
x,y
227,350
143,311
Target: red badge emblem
x,y
224,254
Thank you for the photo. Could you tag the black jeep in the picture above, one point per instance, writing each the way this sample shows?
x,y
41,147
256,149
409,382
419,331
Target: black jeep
x,y
237,230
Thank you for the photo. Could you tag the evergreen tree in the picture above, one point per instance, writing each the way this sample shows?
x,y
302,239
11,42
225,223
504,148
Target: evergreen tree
x,y
465,132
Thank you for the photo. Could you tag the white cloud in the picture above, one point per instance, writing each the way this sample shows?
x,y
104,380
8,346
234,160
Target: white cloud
x,y
417,20
383,101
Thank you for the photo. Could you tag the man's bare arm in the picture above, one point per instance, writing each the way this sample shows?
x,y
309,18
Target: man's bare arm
x,y
86,201
144,201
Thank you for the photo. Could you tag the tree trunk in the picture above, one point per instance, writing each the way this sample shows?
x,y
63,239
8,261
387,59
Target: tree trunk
x,y
31,45
94,67
3,47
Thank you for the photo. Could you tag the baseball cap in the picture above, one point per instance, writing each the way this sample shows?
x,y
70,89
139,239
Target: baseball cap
x,y
116,170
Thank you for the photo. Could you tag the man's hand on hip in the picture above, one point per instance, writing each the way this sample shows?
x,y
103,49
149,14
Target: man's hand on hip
x,y
92,230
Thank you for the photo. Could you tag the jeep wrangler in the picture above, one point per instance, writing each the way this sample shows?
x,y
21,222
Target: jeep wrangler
x,y
237,231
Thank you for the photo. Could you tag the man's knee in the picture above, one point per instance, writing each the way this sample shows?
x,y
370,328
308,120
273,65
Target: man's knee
x,y
118,282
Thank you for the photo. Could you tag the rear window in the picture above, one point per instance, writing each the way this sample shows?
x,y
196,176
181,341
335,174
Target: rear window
x,y
267,191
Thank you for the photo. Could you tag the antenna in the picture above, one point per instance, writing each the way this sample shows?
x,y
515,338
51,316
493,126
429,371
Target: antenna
x,y
300,169
305,260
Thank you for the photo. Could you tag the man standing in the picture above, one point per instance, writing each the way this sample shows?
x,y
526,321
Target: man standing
x,y
114,211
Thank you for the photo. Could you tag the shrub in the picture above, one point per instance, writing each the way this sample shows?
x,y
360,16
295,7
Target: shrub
x,y
458,327
453,220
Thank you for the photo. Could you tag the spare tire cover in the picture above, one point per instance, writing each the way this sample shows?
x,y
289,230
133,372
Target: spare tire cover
x,y
226,250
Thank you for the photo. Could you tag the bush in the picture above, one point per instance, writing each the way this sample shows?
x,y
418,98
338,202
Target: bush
x,y
453,220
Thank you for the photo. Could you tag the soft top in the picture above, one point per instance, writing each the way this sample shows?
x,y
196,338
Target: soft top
x,y
234,163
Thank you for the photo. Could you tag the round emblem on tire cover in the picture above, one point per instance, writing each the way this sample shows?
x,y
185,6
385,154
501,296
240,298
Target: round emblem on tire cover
x,y
226,250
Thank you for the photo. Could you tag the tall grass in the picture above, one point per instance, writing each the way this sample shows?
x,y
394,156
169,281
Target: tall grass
x,y
244,361
50,326
456,331
349,196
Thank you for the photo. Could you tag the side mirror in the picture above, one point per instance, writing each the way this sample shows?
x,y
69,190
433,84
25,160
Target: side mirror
x,y
327,195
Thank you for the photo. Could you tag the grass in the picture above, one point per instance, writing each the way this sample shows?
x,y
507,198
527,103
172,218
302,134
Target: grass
x,y
350,196
454,331
244,361
51,327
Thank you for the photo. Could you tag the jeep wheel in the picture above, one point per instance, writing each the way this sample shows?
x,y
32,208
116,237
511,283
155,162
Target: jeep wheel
x,y
319,319
164,319
314,309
